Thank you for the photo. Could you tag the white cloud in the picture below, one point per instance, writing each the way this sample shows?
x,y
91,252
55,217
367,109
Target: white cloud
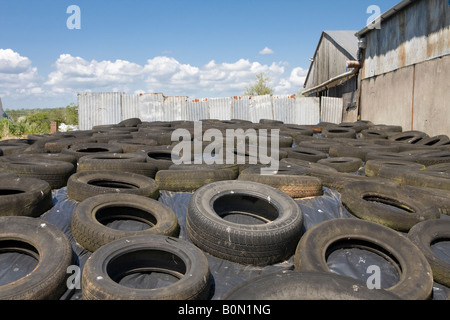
x,y
293,83
266,50
13,63
75,73
18,77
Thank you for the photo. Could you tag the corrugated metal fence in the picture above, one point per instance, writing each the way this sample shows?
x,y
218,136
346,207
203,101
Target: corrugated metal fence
x,y
113,107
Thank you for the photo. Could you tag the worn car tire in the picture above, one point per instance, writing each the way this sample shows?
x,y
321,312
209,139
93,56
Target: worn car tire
x,y
372,167
190,180
120,162
56,173
426,233
338,132
91,215
343,164
83,149
23,196
297,285
390,206
47,244
105,268
269,240
416,280
83,185
293,181
307,154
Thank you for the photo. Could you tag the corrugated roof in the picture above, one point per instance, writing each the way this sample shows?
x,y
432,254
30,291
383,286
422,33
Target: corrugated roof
x,y
346,39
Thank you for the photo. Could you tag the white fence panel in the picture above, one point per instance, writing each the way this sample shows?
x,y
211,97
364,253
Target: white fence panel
x,y
331,109
111,108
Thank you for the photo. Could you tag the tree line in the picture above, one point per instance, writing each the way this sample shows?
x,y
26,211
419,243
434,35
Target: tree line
x,y
23,122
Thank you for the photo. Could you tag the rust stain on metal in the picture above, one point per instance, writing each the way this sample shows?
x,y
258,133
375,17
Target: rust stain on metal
x,y
401,55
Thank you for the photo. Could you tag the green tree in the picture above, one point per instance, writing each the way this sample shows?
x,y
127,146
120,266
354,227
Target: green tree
x,y
40,122
260,87
72,114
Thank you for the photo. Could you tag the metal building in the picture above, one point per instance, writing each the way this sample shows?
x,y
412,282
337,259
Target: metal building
x,y
405,74
329,73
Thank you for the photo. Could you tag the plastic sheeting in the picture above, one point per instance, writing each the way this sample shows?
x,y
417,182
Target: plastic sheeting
x,y
224,274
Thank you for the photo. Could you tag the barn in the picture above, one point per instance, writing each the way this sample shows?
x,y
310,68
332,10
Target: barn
x,y
406,66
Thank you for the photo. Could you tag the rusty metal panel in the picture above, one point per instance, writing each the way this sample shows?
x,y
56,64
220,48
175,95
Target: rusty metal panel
x,y
306,111
331,109
197,109
417,33
283,108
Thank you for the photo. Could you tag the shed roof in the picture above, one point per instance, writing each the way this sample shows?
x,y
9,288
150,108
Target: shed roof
x,y
346,39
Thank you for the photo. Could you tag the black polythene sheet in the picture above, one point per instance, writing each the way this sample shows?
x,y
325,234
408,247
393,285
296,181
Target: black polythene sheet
x,y
224,274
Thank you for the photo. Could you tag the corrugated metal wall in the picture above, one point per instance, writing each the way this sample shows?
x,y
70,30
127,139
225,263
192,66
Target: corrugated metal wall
x,y
331,109
415,34
111,108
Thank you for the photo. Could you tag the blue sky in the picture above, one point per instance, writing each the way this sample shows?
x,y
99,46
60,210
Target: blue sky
x,y
195,48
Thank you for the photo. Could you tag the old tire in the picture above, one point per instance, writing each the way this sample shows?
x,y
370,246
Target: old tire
x,y
107,266
372,167
120,162
83,185
339,132
426,233
343,164
47,244
297,285
416,280
307,154
260,243
56,173
292,181
83,149
202,167
190,180
24,196
390,206
89,221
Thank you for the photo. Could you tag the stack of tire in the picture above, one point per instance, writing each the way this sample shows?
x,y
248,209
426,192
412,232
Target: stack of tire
x,y
393,183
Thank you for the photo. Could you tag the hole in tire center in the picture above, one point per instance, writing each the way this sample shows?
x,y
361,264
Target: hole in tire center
x,y
245,209
93,150
112,184
441,248
125,218
358,259
17,259
8,192
389,203
338,131
160,155
146,269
